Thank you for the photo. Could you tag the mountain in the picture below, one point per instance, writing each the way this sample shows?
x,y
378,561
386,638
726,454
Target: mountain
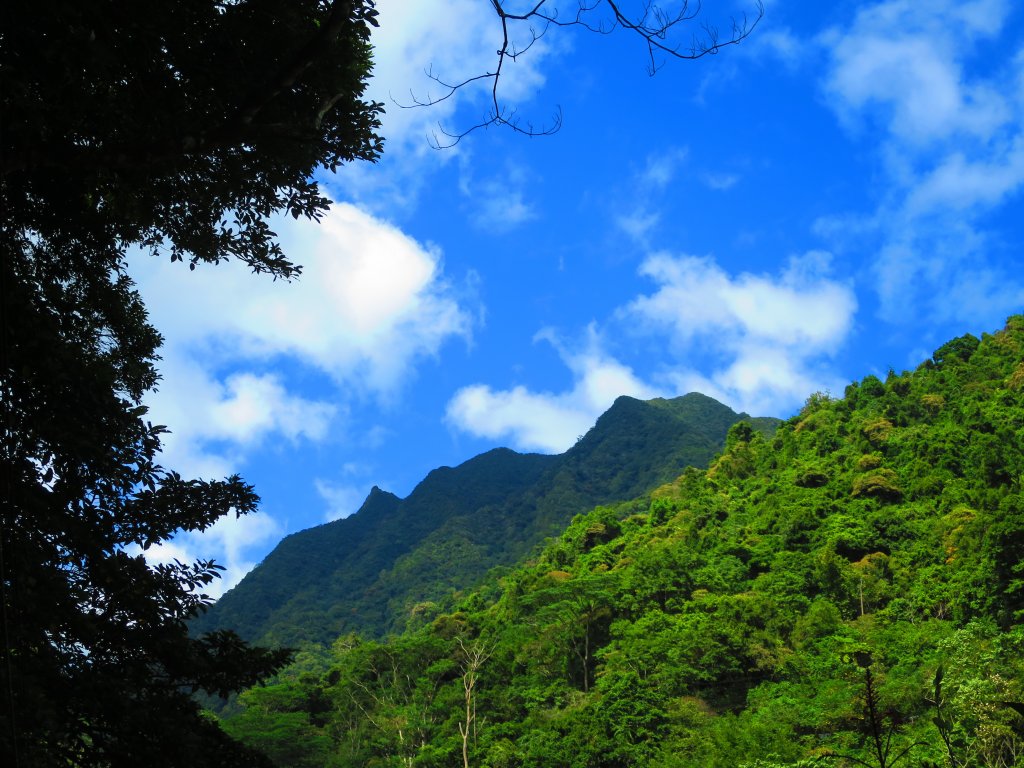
x,y
847,590
395,559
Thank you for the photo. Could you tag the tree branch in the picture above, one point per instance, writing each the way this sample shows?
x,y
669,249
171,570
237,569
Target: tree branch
x,y
303,59
652,23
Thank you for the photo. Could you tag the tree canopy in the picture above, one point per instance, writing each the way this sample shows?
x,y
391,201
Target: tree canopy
x,y
178,127
184,125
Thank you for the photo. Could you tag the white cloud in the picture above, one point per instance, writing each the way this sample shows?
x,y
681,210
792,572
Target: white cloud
x,y
958,183
256,405
762,380
163,553
227,540
773,338
773,334
799,309
905,58
371,302
455,40
214,422
547,421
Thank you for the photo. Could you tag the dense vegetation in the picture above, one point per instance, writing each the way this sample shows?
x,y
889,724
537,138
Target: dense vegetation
x,y
397,560
847,591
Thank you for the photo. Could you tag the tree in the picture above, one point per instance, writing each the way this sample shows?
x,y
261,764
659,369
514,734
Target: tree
x,y
472,658
179,127
879,726
576,613
185,126
523,23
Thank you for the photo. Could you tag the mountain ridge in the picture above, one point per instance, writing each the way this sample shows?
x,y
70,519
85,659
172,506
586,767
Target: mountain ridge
x,y
395,558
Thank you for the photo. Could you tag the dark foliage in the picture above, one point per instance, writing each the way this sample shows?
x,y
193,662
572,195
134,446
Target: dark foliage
x,y
178,126
183,126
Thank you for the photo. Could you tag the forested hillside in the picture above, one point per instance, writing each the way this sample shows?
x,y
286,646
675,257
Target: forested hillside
x,y
397,559
849,590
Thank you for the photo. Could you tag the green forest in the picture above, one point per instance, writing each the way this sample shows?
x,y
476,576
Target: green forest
x,y
846,591
687,586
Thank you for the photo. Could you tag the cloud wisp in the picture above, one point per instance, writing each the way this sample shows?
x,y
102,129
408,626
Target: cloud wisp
x,y
659,172
419,50
497,204
226,542
951,153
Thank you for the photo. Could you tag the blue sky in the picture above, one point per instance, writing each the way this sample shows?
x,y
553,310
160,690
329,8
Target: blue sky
x,y
835,197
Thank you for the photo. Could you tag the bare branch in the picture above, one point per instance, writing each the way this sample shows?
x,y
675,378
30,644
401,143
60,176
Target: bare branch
x,y
654,24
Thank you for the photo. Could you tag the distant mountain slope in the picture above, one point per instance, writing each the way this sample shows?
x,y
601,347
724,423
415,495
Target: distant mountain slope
x,y
395,557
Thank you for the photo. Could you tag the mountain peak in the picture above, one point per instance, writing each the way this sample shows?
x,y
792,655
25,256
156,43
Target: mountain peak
x,y
366,571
